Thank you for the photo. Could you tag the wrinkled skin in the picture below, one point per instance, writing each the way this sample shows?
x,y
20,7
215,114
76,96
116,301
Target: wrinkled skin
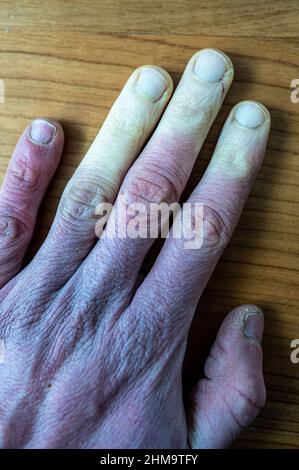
x,y
93,353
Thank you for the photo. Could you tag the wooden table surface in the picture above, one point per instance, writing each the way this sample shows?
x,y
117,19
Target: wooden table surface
x,y
69,59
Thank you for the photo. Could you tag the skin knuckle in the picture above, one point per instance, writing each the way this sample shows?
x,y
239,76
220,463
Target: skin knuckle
x,y
216,232
253,399
12,229
232,158
150,186
81,200
191,227
192,109
126,123
23,177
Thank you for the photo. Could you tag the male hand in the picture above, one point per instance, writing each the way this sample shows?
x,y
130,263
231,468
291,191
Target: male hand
x,y
93,354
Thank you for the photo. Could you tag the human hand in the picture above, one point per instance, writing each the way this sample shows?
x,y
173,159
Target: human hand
x,y
93,355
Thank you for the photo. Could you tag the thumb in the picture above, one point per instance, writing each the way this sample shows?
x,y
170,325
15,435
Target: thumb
x,y
233,392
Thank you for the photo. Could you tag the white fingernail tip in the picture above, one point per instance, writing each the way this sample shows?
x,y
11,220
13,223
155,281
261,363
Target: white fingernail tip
x,y
152,83
250,114
211,65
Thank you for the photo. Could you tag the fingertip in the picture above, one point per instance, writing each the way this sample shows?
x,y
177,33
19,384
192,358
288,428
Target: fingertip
x,y
241,147
37,154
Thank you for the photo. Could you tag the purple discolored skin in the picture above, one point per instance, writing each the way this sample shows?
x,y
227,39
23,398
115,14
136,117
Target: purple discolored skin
x,y
30,171
93,355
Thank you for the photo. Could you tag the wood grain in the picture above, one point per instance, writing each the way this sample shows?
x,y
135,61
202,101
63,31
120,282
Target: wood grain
x,y
265,18
69,60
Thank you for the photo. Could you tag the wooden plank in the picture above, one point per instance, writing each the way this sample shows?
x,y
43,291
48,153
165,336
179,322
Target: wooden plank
x,y
265,18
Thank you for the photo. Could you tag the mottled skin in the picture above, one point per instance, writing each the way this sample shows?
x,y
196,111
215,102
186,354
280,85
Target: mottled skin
x,y
93,356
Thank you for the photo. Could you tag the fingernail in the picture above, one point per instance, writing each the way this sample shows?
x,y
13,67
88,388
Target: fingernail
x,y
250,114
152,83
211,65
42,131
254,325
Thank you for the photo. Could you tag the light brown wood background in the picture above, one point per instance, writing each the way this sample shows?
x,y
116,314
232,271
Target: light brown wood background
x,y
69,59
